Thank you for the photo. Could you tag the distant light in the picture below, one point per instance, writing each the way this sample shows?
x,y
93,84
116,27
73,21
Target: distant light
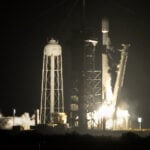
x,y
94,42
139,119
14,111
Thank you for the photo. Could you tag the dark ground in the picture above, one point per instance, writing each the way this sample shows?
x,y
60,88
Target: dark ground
x,y
35,140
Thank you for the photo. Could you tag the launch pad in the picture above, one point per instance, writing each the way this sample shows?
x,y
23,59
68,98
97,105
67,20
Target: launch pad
x,y
96,106
98,99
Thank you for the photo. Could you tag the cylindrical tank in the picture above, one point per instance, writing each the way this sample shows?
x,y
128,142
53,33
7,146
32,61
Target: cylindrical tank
x,y
52,48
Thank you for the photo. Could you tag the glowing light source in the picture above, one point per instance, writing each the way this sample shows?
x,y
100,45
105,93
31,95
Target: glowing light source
x,y
106,112
139,119
140,122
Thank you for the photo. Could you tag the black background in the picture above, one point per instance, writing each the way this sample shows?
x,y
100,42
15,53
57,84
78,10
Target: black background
x,y
27,25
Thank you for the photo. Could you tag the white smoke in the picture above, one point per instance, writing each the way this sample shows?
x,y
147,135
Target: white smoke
x,y
7,122
106,79
1,115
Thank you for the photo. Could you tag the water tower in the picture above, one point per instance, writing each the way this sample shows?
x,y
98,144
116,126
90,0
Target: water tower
x,y
52,97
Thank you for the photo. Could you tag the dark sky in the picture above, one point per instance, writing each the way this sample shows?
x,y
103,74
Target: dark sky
x,y
27,25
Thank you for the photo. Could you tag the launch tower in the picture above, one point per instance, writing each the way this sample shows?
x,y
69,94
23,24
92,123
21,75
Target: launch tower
x,y
91,84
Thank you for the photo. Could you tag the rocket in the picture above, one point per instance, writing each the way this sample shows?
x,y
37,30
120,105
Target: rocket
x,y
105,31
107,94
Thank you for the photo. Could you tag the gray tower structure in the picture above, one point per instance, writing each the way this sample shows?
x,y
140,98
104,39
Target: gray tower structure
x,y
91,76
91,83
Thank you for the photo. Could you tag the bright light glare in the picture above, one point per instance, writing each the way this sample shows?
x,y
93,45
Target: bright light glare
x,y
122,113
105,31
139,119
109,124
106,111
109,94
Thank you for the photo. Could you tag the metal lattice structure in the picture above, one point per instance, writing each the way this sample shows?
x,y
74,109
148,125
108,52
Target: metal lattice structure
x,y
91,76
52,98
91,83
92,89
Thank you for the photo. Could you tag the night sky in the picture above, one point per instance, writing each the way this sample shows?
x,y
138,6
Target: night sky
x,y
26,26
